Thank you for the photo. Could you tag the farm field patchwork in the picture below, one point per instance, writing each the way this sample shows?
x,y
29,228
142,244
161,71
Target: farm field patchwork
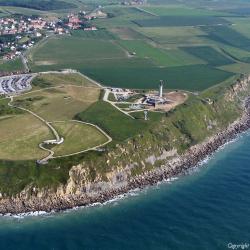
x,y
193,77
159,56
241,25
183,21
227,36
174,35
102,34
237,54
123,17
240,68
164,10
125,33
209,54
73,51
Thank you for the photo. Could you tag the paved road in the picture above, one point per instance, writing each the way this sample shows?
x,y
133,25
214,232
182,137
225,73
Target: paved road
x,y
105,98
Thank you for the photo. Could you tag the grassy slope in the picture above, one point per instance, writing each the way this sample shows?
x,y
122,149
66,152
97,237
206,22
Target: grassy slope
x,y
77,137
20,136
60,103
116,124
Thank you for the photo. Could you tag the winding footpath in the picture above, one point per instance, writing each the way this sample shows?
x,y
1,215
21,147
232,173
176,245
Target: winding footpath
x,y
58,139
57,136
53,130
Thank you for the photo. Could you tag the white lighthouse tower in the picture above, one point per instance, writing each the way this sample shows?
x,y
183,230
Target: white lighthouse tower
x,y
161,88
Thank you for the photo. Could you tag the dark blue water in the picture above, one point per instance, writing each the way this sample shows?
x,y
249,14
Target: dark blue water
x,y
205,210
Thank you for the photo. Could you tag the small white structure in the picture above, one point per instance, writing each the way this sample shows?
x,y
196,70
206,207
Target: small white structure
x,y
56,142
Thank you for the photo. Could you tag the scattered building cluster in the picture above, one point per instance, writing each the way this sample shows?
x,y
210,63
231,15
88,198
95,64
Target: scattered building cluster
x,y
80,21
154,99
12,85
122,94
18,33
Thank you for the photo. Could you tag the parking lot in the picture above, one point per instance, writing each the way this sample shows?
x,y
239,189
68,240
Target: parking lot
x,y
12,85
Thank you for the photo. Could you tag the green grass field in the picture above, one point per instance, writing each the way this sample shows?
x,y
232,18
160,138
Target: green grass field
x,y
126,33
21,133
209,54
194,77
227,36
60,103
140,71
237,54
159,56
123,17
105,55
73,51
181,11
77,137
240,68
96,34
20,137
119,126
181,21
174,36
54,80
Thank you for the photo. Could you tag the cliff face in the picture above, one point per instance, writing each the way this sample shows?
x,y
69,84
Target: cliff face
x,y
180,140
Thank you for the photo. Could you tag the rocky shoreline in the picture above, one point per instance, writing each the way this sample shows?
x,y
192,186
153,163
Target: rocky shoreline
x,y
175,167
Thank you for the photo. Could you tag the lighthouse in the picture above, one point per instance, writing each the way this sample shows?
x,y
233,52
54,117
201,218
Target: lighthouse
x,y
161,88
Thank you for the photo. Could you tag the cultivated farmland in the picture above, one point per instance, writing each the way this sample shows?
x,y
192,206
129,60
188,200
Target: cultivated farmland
x,y
183,21
193,77
73,51
209,54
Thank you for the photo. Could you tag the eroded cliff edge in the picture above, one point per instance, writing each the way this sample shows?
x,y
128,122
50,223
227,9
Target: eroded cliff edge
x,y
179,141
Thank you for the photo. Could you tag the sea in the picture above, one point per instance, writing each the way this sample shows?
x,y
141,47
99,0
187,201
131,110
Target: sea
x,y
208,208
